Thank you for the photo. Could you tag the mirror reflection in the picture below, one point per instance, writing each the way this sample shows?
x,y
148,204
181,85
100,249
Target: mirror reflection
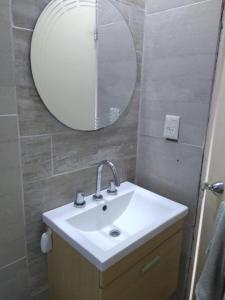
x,y
83,62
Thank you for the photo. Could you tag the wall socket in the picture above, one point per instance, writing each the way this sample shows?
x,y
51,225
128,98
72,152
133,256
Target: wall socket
x,y
171,127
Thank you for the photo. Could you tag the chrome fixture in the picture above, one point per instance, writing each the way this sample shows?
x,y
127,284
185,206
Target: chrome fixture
x,y
217,187
112,187
79,200
98,195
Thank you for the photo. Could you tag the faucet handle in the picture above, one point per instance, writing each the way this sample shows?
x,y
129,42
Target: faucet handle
x,y
112,188
79,200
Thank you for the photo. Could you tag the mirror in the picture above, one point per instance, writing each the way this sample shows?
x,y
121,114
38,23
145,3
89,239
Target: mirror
x,y
83,62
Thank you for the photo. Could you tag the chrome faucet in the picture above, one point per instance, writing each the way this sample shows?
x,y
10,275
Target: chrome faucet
x,y
79,200
98,195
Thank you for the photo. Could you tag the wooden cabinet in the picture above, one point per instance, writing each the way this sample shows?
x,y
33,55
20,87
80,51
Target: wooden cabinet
x,y
148,273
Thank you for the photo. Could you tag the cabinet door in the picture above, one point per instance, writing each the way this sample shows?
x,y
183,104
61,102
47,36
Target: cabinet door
x,y
70,275
152,278
127,262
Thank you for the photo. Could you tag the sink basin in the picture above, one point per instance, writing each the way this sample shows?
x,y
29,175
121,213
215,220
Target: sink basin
x,y
107,230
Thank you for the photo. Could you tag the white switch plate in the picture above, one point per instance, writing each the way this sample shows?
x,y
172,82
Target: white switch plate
x,y
171,127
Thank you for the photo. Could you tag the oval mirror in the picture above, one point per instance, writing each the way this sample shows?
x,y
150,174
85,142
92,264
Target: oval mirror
x,y
83,62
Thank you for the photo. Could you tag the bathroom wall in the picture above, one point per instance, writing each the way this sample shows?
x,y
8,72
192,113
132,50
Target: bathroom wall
x,y
56,161
43,163
12,238
179,52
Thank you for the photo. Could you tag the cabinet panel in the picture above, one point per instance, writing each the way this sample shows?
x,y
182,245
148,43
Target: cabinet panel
x,y
131,259
70,275
153,278
148,273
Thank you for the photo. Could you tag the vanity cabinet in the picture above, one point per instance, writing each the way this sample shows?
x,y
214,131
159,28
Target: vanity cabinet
x,y
148,273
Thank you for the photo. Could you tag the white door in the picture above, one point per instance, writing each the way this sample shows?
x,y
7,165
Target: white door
x,y
213,167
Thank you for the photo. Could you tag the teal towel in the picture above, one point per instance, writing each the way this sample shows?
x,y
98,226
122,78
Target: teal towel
x,y
211,284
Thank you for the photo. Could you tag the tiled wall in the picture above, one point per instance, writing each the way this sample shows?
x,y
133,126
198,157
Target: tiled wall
x,y
180,40
56,161
179,52
12,239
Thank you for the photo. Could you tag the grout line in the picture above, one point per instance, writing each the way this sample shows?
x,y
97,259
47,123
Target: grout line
x,y
12,263
9,115
10,13
175,142
140,97
110,24
22,185
52,163
22,28
177,7
35,135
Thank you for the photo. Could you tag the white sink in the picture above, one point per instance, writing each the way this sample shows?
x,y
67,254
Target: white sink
x,y
136,213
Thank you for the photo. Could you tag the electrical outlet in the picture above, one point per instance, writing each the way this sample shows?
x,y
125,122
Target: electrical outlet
x,y
171,127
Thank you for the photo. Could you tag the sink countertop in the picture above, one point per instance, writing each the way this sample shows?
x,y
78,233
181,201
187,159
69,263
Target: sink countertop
x,y
136,212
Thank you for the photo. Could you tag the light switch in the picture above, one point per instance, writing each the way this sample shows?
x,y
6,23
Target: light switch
x,y
171,128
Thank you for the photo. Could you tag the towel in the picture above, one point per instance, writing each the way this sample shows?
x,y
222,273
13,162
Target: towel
x,y
211,284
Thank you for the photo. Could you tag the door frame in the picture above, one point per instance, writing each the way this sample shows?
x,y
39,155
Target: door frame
x,y
219,70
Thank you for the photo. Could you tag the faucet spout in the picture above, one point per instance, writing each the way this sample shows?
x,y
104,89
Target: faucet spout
x,y
98,195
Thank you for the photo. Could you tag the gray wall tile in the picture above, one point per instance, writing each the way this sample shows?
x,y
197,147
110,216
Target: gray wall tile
x,y
22,41
34,118
36,157
9,155
7,100
193,119
191,30
7,82
38,275
78,151
26,12
8,129
12,236
136,23
140,3
153,6
171,170
178,72
133,14
13,281
187,78
6,77
108,50
109,15
180,45
12,240
6,53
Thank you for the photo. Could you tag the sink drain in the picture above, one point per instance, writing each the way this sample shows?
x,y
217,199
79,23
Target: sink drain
x,y
114,233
